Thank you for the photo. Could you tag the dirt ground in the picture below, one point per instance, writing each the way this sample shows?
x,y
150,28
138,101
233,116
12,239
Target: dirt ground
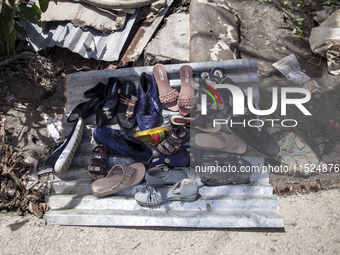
x,y
30,89
312,226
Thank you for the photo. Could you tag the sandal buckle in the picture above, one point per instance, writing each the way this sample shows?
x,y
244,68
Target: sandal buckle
x,y
129,111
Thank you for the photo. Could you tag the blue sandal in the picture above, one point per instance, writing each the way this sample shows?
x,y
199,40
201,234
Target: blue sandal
x,y
179,159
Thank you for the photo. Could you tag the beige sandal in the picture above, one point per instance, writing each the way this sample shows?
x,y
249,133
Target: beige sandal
x,y
220,141
167,95
117,181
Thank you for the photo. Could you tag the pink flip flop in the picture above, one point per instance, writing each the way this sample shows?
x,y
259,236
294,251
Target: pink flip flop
x,y
167,95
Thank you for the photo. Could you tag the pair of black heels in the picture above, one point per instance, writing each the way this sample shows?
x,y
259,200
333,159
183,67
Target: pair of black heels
x,y
107,101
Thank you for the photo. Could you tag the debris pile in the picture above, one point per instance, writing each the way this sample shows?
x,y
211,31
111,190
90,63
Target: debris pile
x,y
105,31
14,194
325,39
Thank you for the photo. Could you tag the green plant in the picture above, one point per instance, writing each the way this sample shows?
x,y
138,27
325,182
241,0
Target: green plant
x,y
298,30
303,3
330,2
11,12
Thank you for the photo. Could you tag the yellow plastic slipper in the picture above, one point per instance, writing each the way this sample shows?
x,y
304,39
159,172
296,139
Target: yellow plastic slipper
x,y
153,135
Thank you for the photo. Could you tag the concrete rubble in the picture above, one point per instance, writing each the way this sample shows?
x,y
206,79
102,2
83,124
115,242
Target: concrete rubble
x,y
175,32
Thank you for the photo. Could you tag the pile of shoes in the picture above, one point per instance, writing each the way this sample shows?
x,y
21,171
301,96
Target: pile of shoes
x,y
108,100
142,106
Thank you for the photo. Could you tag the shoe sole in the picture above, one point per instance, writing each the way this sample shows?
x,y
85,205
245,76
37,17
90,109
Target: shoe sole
x,y
65,159
171,199
227,126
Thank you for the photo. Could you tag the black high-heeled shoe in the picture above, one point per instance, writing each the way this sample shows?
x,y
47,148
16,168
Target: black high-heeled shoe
x,y
126,111
108,107
83,110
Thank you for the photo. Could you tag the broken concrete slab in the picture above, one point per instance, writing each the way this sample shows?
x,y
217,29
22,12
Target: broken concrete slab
x,y
171,44
214,31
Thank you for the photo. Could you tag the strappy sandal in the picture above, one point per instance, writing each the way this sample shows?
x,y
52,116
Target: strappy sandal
x,y
167,95
97,166
126,114
186,99
177,138
115,181
184,190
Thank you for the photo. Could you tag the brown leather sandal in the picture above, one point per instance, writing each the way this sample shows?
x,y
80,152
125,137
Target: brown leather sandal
x,y
97,166
177,138
116,181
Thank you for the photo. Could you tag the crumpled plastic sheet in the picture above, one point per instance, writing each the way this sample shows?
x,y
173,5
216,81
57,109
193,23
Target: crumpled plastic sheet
x,y
326,37
290,68
295,153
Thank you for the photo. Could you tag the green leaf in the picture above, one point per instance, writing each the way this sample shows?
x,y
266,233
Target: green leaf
x,y
7,44
43,5
30,14
6,19
37,9
55,1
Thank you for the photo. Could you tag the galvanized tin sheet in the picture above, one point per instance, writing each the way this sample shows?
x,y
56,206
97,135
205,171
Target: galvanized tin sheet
x,y
88,42
228,206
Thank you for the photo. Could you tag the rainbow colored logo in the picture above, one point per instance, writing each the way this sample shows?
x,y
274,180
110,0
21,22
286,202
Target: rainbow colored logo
x,y
209,93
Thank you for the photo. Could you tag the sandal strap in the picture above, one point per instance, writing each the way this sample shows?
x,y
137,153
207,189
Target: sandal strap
x,y
175,189
172,142
96,167
127,172
98,157
169,96
187,101
183,121
131,103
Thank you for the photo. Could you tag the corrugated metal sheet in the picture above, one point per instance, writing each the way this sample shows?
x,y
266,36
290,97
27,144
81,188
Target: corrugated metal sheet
x,y
85,15
230,206
88,42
